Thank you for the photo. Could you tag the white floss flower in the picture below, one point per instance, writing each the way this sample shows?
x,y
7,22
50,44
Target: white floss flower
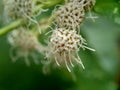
x,y
25,42
64,46
70,16
22,9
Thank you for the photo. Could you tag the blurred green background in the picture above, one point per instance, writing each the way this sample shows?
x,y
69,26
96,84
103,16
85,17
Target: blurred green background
x,y
102,67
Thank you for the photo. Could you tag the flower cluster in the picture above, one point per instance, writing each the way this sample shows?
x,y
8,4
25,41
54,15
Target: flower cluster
x,y
25,42
22,9
19,8
70,16
64,45
65,41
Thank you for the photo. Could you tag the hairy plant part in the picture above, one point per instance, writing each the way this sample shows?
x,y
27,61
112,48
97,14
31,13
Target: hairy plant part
x,y
22,9
26,43
64,46
70,16
87,6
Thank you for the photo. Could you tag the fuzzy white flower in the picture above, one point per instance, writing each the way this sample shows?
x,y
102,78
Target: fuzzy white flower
x,y
64,46
70,16
25,42
22,9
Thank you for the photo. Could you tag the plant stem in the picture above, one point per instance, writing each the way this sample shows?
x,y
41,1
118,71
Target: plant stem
x,y
10,27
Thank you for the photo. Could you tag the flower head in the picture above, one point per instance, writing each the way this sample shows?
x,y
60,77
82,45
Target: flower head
x,y
22,9
64,46
25,42
70,16
18,8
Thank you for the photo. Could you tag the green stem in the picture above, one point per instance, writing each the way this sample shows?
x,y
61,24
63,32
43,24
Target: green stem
x,y
19,22
10,27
